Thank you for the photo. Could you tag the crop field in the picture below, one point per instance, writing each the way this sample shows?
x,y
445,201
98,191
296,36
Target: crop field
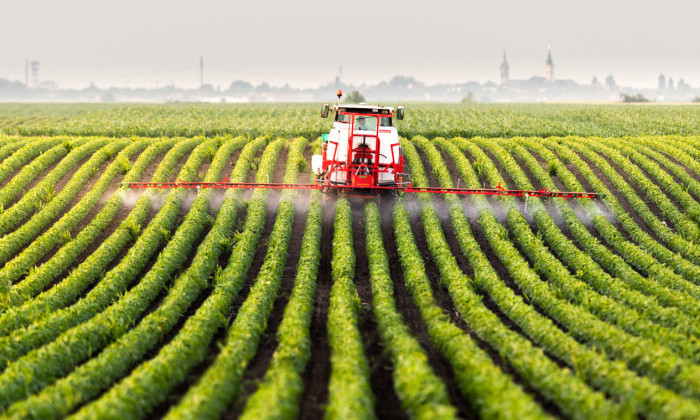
x,y
182,304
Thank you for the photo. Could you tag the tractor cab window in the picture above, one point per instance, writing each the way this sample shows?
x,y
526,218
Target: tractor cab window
x,y
365,122
385,121
344,118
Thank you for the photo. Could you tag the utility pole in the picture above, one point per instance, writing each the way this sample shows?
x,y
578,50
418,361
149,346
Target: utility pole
x,y
201,71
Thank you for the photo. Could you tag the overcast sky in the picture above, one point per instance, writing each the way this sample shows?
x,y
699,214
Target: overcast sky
x,y
303,42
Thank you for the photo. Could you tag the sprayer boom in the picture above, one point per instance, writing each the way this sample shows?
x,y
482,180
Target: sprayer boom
x,y
399,189
362,156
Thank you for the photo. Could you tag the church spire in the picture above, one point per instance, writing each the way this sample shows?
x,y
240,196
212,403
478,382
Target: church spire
x,y
504,69
549,65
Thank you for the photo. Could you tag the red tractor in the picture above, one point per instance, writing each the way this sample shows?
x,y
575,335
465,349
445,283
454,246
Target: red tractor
x,y
361,154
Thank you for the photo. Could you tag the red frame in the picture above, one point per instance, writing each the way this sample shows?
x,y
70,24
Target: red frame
x,y
352,178
402,188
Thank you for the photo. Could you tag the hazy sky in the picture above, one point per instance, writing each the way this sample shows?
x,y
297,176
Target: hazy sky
x,y
303,42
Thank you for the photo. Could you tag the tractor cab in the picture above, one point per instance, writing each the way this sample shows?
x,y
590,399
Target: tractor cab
x,y
362,149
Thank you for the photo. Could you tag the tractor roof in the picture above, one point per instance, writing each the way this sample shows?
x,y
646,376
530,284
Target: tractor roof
x,y
364,109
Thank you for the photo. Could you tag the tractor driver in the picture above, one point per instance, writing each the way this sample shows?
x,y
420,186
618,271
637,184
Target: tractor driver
x,y
361,123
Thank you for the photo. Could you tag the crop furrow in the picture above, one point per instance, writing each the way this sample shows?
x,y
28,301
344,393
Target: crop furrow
x,y
650,257
43,193
59,231
117,359
625,286
530,362
613,377
20,158
162,371
675,241
114,322
34,169
279,393
575,290
30,309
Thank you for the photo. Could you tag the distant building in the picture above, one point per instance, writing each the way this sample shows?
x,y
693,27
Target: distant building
x,y
549,66
35,74
610,81
670,84
504,69
662,82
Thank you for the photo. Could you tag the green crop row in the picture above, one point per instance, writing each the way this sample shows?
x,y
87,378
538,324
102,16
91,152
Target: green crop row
x,y
7,149
680,155
287,120
614,378
422,393
564,283
221,382
643,355
113,284
13,242
77,344
652,191
653,149
565,286
689,207
70,251
189,347
89,271
277,396
650,258
20,158
17,184
675,241
349,392
44,192
565,389
479,379
579,261
660,276
117,359
60,231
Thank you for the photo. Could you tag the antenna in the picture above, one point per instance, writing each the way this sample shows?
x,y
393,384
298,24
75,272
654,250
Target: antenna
x,y
201,71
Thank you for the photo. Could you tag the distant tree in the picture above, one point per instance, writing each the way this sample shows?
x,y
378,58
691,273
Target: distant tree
x,y
206,88
634,98
263,87
355,97
696,99
239,86
404,82
107,97
468,99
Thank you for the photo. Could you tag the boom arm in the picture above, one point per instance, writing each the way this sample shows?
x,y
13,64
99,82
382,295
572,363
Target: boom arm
x,y
408,188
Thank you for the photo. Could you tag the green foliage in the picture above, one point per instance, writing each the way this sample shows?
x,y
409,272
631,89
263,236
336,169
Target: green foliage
x,y
634,98
291,120
597,313
355,97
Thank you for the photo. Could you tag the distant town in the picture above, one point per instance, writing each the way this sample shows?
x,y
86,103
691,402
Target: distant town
x,y
538,88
